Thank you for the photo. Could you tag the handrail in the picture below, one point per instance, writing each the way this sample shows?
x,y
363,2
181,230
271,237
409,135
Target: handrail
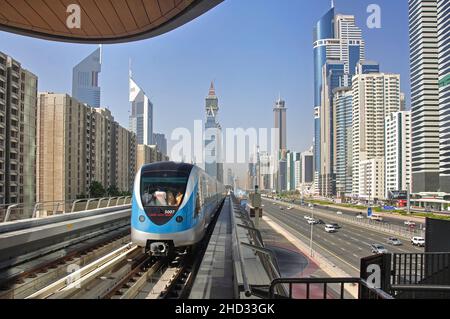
x,y
100,200
238,251
8,211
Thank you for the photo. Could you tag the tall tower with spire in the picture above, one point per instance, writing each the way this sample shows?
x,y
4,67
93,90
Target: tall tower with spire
x,y
85,85
213,136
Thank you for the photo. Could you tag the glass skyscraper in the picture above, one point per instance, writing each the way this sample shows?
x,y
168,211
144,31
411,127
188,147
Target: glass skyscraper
x,y
141,118
85,86
338,47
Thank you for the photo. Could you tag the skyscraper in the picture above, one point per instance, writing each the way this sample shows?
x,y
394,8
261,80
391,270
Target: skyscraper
x,y
375,96
398,151
279,116
343,139
141,118
443,33
18,104
161,142
424,71
85,86
213,137
338,47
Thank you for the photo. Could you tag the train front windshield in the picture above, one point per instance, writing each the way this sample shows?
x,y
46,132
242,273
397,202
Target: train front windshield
x,y
163,188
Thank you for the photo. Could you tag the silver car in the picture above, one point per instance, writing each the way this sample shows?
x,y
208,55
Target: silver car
x,y
394,241
378,249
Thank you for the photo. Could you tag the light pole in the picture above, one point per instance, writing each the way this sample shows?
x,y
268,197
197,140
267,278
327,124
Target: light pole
x,y
311,237
408,202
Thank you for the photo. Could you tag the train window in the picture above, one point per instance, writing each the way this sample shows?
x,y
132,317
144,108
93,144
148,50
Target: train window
x,y
163,188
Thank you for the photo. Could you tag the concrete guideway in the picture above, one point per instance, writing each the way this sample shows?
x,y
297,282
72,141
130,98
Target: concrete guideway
x,y
66,285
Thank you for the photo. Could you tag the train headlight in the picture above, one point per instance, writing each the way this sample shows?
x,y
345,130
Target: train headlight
x,y
179,219
141,219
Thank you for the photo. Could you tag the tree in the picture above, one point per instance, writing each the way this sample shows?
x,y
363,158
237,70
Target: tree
x,y
113,191
96,190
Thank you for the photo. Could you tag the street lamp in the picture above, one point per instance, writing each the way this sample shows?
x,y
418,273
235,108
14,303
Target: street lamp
x,y
311,237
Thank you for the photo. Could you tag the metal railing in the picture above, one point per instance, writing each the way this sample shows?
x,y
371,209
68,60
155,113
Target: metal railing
x,y
325,288
255,242
12,212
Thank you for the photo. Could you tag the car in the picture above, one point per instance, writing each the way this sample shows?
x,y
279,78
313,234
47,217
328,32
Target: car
x,y
335,225
360,216
376,217
418,241
338,212
290,207
307,217
394,241
281,208
312,221
409,223
321,222
378,249
330,228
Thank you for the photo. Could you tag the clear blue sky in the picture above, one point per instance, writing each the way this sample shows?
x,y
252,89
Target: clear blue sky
x,y
252,49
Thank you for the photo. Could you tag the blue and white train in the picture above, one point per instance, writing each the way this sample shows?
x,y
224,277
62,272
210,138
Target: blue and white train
x,y
173,204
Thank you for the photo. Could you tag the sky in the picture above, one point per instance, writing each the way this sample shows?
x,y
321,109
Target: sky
x,y
253,50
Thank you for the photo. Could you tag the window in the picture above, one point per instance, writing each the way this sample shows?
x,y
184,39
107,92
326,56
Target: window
x,y
163,188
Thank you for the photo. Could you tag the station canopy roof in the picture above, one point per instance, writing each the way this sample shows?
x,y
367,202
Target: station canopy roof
x,y
100,21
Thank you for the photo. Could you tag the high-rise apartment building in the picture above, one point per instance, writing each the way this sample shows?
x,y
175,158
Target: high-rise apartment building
x,y
375,96
148,154
77,145
141,118
424,71
279,116
85,85
398,151
18,104
307,160
371,179
213,137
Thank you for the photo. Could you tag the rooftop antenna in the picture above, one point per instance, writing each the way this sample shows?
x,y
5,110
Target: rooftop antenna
x,y
130,73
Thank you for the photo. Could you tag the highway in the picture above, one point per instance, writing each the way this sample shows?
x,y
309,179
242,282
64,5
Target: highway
x,y
344,248
386,219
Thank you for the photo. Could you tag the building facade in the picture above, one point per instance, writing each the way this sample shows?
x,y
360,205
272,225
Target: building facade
x,y
443,35
77,145
141,118
18,105
371,183
375,96
424,70
398,151
85,85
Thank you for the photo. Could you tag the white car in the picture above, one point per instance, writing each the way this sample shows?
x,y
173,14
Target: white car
x,y
418,241
338,213
290,207
312,221
330,228
360,216
307,217
409,223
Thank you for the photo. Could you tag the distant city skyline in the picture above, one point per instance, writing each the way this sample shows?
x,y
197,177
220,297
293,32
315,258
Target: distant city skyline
x,y
233,59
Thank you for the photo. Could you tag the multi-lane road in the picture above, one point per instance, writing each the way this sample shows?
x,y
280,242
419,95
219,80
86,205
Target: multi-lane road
x,y
345,248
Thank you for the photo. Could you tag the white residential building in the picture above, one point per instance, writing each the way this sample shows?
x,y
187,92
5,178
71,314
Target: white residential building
x,y
375,96
398,151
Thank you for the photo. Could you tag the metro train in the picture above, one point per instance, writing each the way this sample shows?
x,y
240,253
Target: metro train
x,y
172,206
